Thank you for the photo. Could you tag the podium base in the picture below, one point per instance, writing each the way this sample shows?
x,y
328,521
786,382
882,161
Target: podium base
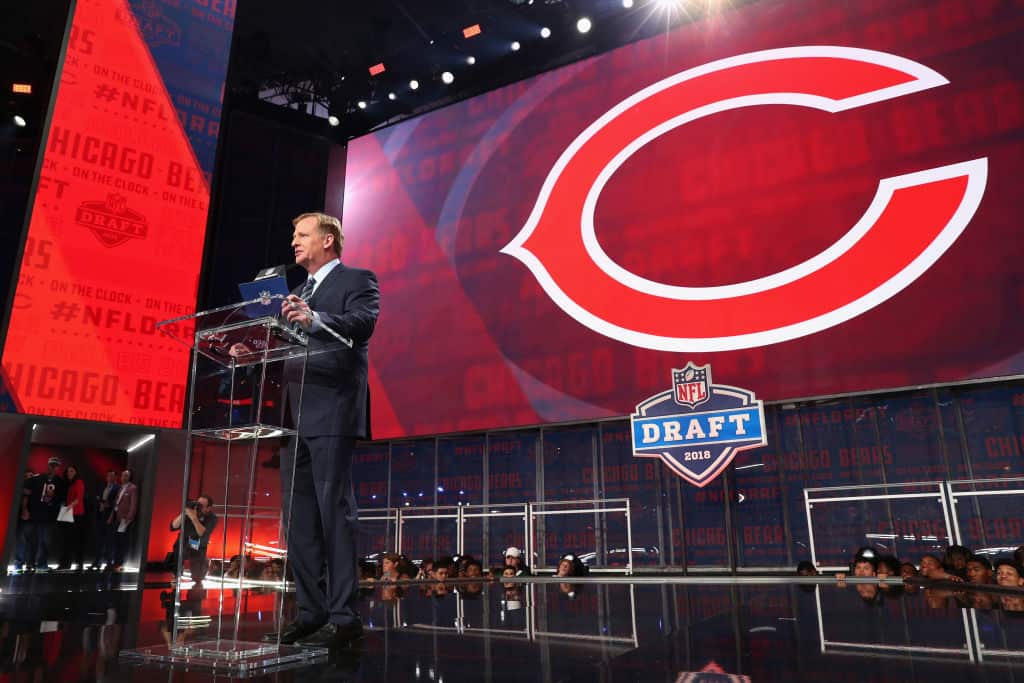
x,y
229,657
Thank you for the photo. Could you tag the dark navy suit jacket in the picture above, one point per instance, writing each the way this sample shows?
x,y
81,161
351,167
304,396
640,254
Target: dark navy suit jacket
x,y
336,394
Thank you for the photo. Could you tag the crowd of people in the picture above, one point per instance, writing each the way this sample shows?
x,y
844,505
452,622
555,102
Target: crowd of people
x,y
394,567
62,522
958,573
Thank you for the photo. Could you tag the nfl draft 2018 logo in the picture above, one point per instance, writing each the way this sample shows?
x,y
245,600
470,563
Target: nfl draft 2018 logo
x,y
697,427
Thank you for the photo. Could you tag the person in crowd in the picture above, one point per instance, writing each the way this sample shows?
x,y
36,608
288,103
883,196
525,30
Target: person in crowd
x,y
473,570
931,568
104,530
40,503
273,570
888,566
407,571
389,567
126,507
195,526
864,565
426,569
514,559
1008,573
908,571
806,568
955,561
234,569
442,569
979,570
571,565
73,533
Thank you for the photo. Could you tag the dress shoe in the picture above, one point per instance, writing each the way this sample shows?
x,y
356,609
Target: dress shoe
x,y
292,632
333,635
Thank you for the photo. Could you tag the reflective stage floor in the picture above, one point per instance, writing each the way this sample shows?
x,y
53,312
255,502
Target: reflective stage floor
x,y
57,628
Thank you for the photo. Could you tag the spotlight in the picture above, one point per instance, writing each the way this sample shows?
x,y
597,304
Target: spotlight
x,y
19,122
333,120
515,46
392,96
545,32
628,4
414,84
583,25
447,78
471,60
361,104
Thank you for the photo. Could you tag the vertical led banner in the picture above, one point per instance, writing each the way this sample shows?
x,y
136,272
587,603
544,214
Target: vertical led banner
x,y
116,233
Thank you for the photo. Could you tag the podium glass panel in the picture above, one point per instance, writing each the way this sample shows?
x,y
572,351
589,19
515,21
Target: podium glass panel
x,y
244,398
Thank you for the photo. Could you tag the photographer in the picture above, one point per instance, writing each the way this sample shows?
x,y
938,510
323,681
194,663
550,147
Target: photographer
x,y
201,523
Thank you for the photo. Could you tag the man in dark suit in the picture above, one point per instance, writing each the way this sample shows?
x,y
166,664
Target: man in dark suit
x,y
335,411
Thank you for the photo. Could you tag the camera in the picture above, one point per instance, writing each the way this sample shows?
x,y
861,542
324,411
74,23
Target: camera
x,y
194,504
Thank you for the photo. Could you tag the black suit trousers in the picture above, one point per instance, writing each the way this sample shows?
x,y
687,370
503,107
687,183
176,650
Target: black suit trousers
x,y
321,523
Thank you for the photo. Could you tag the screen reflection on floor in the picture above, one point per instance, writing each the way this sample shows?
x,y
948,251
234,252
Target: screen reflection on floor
x,y
658,629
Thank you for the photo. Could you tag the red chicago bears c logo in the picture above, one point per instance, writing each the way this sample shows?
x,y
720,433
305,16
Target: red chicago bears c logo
x,y
911,222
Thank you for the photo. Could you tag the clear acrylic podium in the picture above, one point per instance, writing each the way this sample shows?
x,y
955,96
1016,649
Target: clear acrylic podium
x,y
246,386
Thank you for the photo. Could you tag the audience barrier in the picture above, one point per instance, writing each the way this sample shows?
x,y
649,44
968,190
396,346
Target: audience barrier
x,y
910,519
469,539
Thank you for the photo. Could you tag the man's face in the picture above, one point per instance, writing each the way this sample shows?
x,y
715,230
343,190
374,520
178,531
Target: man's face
x,y
978,573
111,477
473,571
204,505
126,477
511,561
564,568
312,248
863,568
1007,576
441,573
387,565
907,571
51,468
929,565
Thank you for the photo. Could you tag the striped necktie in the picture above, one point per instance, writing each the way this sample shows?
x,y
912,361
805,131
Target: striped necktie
x,y
307,289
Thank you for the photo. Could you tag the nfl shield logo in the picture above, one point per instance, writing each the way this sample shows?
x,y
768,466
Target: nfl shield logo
x,y
691,385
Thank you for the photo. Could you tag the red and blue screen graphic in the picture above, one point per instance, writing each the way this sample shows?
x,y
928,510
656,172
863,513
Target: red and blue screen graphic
x,y
116,233
816,199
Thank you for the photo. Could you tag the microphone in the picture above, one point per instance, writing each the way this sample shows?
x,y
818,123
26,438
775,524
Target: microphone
x,y
275,271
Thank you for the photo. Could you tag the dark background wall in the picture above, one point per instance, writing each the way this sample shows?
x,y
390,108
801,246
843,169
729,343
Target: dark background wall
x,y
268,174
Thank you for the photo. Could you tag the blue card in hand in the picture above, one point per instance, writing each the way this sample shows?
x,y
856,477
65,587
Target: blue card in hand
x,y
264,289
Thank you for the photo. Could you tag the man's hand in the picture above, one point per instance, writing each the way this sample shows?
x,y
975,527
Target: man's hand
x,y
190,512
295,310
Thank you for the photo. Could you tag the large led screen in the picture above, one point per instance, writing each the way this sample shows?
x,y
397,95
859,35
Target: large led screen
x,y
116,233
815,198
